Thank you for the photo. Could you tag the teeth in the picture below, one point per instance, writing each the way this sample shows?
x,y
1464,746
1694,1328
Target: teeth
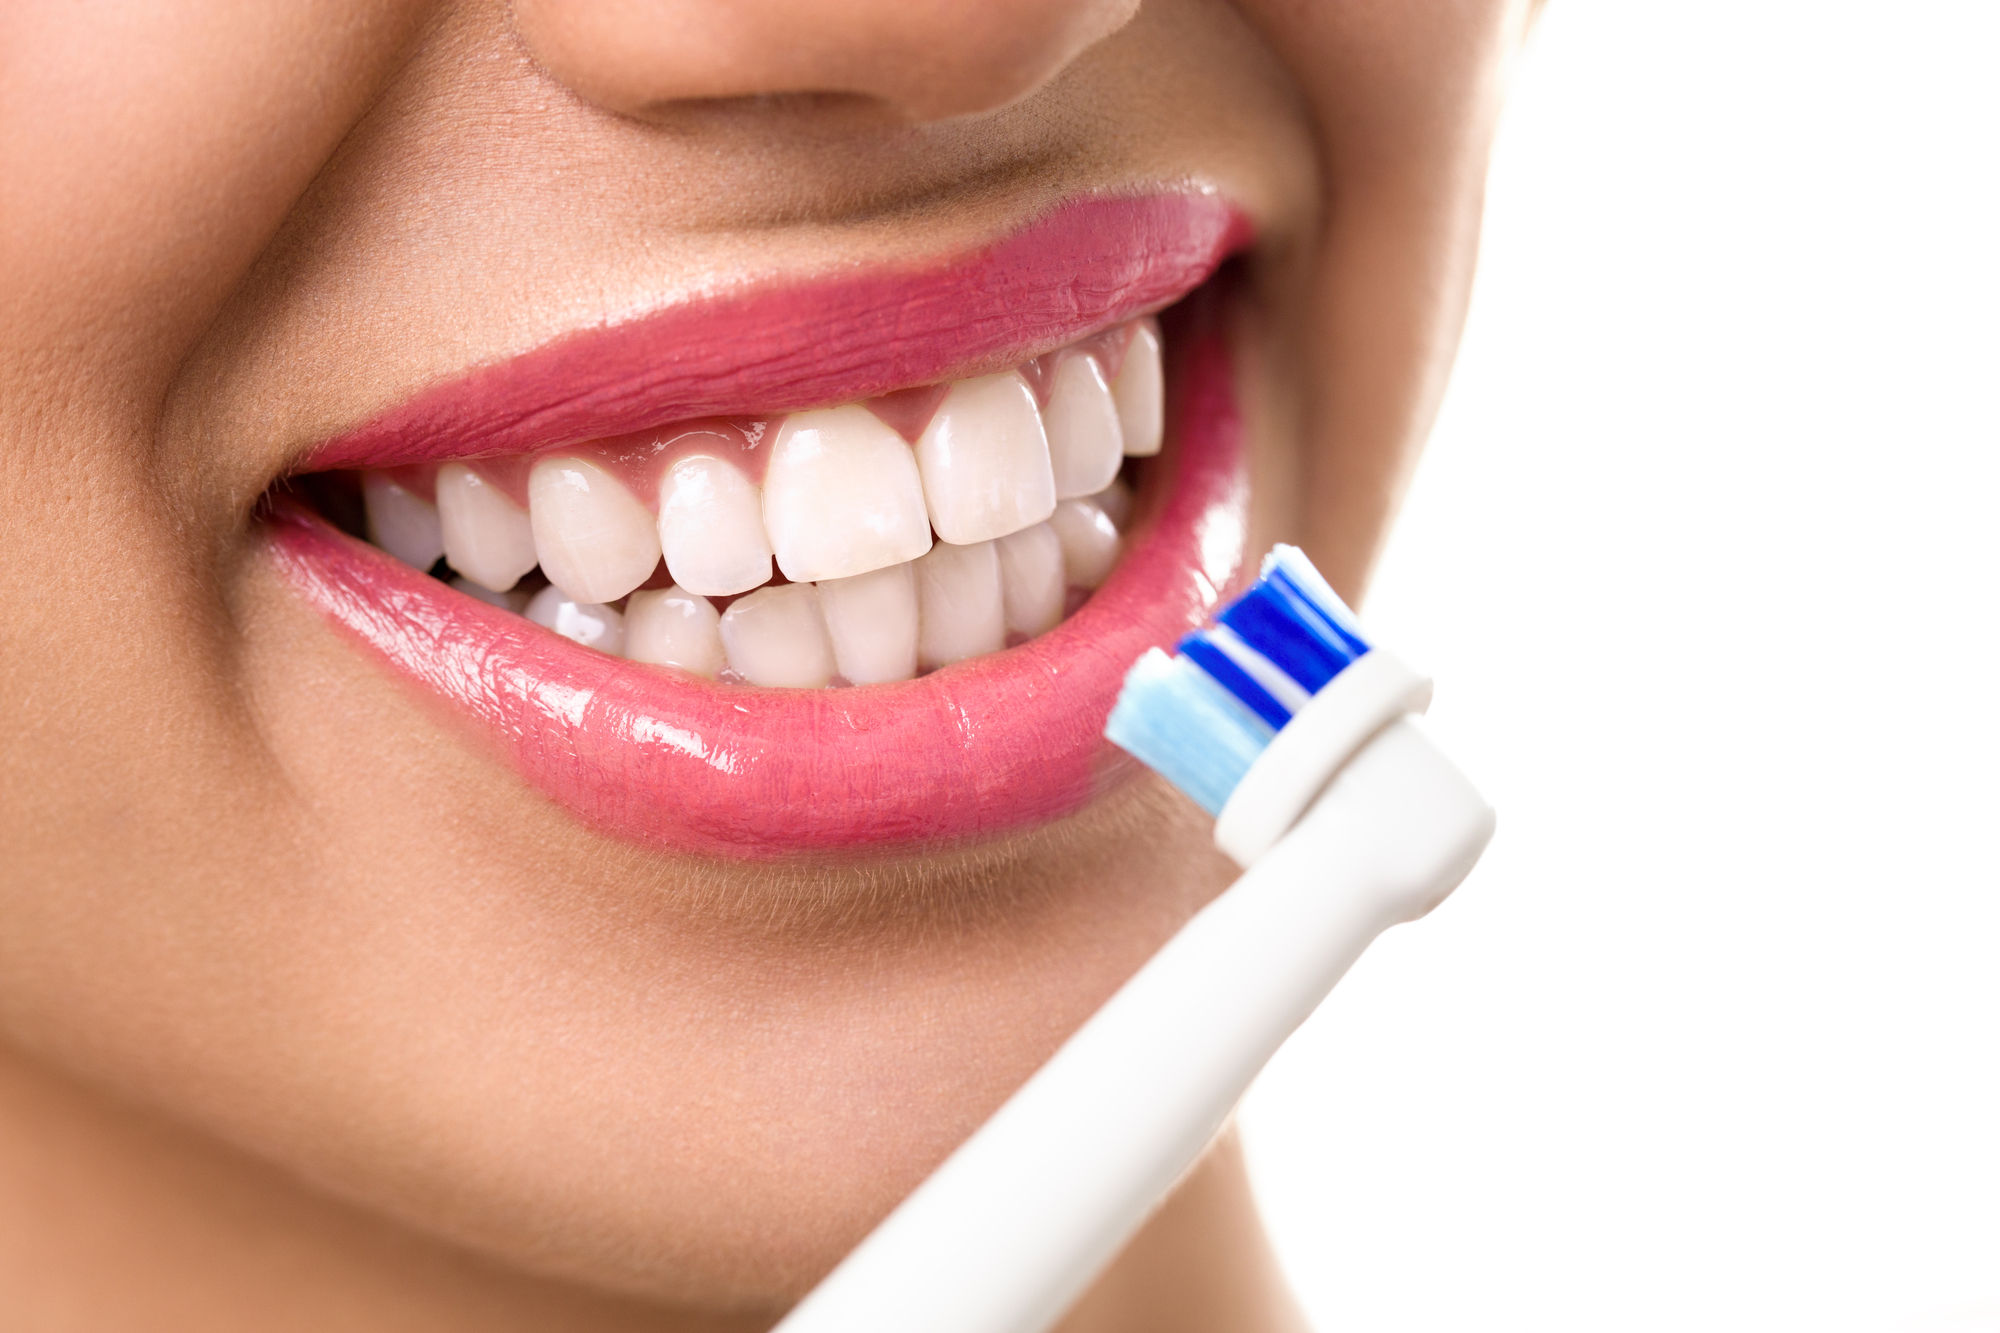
x,y
872,620
1141,393
1026,504
712,528
487,537
985,461
594,540
1116,502
1086,439
592,625
842,496
515,601
402,523
1031,579
958,593
775,637
676,628
1089,542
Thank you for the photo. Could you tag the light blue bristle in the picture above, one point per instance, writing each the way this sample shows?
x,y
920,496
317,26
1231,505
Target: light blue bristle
x,y
1201,717
1187,728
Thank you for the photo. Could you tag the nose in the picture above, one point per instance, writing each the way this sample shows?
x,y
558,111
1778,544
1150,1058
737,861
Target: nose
x,y
923,60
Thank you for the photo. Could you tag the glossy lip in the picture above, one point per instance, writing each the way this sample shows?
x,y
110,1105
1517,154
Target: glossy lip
x,y
1082,267
983,748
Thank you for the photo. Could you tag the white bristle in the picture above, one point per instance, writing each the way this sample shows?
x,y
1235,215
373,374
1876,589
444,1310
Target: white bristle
x,y
1187,728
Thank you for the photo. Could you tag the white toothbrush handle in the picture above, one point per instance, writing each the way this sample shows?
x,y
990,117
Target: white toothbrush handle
x,y
1007,1233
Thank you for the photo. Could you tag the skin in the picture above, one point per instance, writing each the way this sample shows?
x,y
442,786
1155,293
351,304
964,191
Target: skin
x,y
312,1016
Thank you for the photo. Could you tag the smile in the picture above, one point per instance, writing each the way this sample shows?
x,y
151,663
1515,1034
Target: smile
x,y
858,562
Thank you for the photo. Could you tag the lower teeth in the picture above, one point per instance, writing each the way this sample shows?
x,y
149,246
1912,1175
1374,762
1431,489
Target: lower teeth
x,y
887,625
857,544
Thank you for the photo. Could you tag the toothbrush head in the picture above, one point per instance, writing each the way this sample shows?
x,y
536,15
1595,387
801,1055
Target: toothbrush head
x,y
1203,715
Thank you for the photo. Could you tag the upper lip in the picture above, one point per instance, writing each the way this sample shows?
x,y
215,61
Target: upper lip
x,y
981,748
836,338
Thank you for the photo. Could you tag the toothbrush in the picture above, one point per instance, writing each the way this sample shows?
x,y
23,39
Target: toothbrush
x,y
1284,723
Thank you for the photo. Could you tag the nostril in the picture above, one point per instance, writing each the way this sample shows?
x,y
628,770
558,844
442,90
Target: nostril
x,y
918,60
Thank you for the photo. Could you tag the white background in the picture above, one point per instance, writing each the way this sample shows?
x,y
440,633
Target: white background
x,y
1706,559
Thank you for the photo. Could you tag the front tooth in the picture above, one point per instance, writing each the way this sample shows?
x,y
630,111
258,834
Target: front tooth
x,y
1031,579
985,461
587,623
872,620
1089,542
842,496
775,636
401,522
959,603
594,540
1086,439
1140,392
487,537
676,628
712,528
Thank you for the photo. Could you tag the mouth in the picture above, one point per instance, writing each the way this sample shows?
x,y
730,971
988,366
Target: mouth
x,y
854,563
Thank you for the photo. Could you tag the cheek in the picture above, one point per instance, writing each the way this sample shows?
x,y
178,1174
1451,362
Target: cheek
x,y
459,1009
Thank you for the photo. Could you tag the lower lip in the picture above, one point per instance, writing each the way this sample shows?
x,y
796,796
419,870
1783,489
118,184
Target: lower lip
x,y
987,747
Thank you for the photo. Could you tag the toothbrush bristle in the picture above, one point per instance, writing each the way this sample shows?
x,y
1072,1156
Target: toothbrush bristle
x,y
1186,727
1201,717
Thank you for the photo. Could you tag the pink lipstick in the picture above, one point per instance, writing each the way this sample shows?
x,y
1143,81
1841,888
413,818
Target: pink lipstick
x,y
985,746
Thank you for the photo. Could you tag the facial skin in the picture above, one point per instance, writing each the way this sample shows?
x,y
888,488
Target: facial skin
x,y
312,1015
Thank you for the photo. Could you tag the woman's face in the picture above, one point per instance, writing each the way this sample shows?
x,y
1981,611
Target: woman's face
x,y
666,986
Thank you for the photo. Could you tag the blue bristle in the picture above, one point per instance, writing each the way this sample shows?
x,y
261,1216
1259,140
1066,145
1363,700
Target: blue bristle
x,y
1332,631
1298,571
1185,727
1199,718
1271,621
1235,679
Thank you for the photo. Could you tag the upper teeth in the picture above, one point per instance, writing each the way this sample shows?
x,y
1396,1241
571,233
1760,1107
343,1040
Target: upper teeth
x,y
1005,484
486,536
712,527
402,523
595,540
985,461
1140,394
1086,438
842,496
